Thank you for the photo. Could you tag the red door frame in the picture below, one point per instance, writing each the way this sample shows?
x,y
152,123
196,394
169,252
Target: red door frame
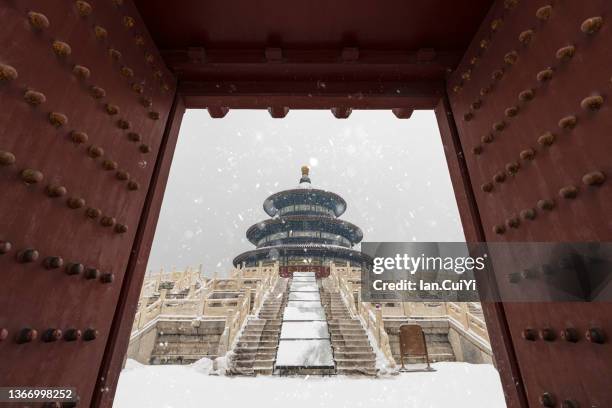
x,y
281,95
497,327
119,336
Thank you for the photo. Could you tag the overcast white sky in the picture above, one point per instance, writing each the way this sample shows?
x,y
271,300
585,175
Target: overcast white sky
x,y
391,172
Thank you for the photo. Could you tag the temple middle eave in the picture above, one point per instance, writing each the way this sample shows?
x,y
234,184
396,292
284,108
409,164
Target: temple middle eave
x,y
294,224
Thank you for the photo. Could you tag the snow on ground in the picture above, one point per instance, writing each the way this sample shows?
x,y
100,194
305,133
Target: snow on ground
x,y
456,385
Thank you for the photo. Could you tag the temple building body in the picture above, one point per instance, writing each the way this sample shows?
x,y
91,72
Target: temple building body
x,y
305,232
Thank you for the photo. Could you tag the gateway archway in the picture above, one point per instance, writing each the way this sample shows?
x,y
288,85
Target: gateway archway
x,y
520,90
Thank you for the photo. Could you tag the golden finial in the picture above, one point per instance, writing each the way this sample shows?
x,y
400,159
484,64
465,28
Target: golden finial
x,y
305,170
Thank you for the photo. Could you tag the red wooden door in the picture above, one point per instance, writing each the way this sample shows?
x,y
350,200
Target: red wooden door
x,y
84,103
531,100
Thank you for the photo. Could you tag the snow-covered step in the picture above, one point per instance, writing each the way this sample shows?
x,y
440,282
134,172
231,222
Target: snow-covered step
x,y
254,363
339,343
350,337
264,322
345,325
357,371
266,338
353,355
180,359
339,348
254,343
339,314
367,364
348,330
269,315
258,332
255,356
263,349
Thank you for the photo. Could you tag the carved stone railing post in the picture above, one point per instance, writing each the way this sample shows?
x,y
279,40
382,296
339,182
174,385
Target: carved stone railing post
x,y
465,310
247,294
192,289
379,322
140,321
159,279
204,304
224,340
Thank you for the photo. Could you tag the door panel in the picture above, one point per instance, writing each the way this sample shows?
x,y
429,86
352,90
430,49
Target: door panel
x,y
79,68
531,100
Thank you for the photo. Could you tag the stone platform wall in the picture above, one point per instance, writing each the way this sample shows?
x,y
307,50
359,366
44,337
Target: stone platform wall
x,y
177,341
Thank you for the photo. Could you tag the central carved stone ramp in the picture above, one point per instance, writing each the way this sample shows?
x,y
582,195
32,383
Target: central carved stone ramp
x,y
304,346
255,351
353,352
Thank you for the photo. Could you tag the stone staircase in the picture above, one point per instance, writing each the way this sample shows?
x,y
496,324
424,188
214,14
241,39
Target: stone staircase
x,y
352,350
255,351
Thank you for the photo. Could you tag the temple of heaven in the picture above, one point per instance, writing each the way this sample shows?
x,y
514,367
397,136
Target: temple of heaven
x,y
304,233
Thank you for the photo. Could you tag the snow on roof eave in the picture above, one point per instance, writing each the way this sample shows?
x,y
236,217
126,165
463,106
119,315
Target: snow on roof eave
x,y
269,208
